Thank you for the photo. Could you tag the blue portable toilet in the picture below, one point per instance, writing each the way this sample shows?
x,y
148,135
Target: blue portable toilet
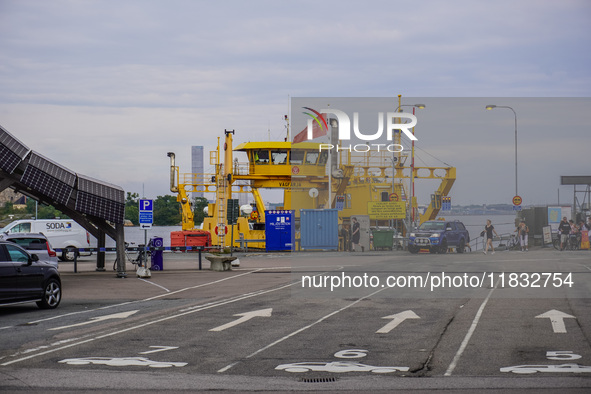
x,y
319,229
279,234
156,258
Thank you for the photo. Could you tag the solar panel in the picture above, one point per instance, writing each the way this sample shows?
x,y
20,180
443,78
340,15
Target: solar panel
x,y
100,199
12,151
49,178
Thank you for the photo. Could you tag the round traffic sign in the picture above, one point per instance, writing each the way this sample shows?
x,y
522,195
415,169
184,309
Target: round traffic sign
x,y
393,197
517,200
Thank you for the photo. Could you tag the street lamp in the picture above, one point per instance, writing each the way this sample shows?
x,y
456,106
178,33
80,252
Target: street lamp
x,y
412,163
489,107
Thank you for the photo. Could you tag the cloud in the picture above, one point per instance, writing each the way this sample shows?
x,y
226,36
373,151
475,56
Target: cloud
x,y
109,87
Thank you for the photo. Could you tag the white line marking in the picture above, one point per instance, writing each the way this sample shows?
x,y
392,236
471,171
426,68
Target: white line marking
x,y
145,299
155,284
160,349
122,315
456,358
227,367
148,323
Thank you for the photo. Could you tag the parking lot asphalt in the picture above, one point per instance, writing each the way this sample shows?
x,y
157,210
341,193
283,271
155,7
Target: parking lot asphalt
x,y
258,328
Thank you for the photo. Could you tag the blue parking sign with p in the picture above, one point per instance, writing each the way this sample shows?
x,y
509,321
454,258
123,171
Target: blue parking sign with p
x,y
146,205
146,214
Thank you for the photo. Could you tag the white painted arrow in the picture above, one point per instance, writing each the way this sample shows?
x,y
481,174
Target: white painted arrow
x,y
245,317
396,320
557,320
121,315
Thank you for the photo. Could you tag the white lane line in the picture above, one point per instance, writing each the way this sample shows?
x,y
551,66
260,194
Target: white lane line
x,y
155,284
456,358
149,323
227,367
145,299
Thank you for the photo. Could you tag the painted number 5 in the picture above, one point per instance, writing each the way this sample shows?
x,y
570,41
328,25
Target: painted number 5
x,y
562,355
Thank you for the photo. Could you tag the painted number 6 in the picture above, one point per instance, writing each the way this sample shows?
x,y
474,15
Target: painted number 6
x,y
351,353
562,355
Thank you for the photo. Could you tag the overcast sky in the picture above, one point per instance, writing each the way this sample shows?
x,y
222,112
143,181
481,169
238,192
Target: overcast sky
x,y
107,88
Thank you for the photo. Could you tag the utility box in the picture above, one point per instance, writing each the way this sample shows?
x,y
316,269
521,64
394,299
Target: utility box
x,y
319,229
157,258
279,231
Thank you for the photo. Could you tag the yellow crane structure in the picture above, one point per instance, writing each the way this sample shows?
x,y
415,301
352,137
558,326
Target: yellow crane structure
x,y
356,181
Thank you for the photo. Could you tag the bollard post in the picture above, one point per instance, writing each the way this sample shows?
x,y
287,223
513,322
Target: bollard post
x,y
200,258
75,261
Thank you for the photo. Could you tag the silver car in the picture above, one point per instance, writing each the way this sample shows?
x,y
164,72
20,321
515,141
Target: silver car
x,y
34,243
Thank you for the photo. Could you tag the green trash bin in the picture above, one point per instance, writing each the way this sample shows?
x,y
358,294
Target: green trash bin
x,y
382,239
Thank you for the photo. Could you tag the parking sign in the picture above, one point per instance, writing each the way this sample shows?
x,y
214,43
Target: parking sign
x,y
146,213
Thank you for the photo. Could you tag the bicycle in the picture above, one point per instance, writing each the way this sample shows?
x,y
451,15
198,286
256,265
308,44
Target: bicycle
x,y
556,241
513,243
573,242
137,260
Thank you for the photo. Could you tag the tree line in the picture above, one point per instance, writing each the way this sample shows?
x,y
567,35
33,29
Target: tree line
x,y
166,210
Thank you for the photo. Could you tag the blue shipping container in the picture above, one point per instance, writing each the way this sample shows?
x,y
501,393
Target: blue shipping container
x,y
279,234
319,229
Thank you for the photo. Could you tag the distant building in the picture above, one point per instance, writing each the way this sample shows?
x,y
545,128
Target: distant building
x,y
197,168
9,195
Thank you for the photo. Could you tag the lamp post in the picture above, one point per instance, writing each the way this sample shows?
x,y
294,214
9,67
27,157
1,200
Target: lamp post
x,y
490,107
412,162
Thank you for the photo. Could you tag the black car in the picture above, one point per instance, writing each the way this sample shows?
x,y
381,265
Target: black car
x,y
24,278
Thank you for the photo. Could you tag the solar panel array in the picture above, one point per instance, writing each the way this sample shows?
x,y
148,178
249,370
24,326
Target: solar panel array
x,y
100,199
49,178
12,151
93,197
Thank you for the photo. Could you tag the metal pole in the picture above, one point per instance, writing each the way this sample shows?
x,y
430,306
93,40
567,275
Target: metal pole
x,y
514,113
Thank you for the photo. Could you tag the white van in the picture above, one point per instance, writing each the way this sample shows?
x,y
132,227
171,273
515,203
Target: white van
x,y
62,233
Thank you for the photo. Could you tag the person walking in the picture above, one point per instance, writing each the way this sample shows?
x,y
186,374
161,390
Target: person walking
x,y
489,229
564,231
522,231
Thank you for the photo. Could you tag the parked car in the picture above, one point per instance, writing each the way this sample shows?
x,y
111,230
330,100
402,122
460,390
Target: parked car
x,y
24,278
34,244
438,236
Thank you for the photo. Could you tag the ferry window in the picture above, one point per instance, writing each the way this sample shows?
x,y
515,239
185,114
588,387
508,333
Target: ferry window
x,y
323,158
21,228
261,156
296,156
279,156
311,157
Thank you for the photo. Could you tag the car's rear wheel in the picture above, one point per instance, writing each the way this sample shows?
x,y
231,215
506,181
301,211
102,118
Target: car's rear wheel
x,y
52,294
69,255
